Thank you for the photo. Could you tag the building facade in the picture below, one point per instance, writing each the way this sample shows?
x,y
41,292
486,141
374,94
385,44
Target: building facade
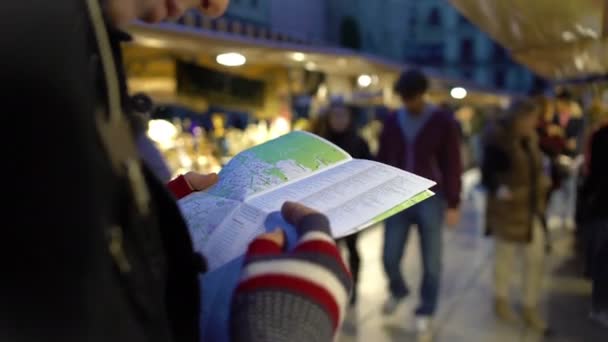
x,y
256,12
378,25
421,32
302,19
297,19
430,33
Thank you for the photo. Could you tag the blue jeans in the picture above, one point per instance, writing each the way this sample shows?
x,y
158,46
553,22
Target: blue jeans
x,y
428,217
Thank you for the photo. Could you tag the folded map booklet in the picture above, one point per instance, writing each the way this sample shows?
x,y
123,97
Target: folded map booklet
x,y
299,167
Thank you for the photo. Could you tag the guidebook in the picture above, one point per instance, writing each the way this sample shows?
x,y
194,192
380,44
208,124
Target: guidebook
x,y
299,167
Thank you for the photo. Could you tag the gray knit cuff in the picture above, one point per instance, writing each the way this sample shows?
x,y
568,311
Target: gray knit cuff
x,y
277,316
314,222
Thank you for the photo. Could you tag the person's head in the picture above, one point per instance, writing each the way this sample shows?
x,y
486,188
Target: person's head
x,y
411,86
336,119
563,101
142,104
339,119
122,12
523,117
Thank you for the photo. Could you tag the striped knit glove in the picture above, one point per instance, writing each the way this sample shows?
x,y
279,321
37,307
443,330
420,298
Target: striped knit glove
x,y
184,185
297,296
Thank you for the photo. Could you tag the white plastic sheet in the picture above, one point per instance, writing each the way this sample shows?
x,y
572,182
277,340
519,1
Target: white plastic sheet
x,y
558,39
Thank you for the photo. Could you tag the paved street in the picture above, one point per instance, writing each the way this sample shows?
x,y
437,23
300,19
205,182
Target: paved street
x,y
466,300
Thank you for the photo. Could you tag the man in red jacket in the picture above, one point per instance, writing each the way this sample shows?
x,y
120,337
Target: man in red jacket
x,y
425,140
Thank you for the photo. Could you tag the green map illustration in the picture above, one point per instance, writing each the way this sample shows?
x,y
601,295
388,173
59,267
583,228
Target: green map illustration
x,y
278,161
405,205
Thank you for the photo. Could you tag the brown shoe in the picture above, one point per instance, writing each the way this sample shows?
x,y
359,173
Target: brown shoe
x,y
503,310
534,320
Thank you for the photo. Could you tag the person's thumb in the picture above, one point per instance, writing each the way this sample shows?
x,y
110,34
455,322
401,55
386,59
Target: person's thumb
x,y
294,213
199,182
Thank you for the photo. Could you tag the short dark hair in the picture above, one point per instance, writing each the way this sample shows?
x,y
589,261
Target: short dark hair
x,y
142,103
411,83
564,95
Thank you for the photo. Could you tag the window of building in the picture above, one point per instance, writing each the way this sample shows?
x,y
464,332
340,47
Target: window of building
x,y
462,20
467,74
500,78
434,19
467,50
350,34
413,21
499,54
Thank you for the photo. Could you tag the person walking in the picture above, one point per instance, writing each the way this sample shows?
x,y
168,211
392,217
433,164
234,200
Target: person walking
x,y
425,140
594,219
568,116
338,126
142,106
513,174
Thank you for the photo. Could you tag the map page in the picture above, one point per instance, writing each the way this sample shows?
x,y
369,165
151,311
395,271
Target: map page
x,y
354,194
266,166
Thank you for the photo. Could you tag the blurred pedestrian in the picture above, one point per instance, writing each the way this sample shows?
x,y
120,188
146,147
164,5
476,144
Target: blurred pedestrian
x,y
551,138
338,126
96,249
142,106
569,117
596,120
594,220
513,174
552,144
425,140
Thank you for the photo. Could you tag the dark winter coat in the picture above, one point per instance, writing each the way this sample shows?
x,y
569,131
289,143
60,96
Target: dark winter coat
x,y
516,163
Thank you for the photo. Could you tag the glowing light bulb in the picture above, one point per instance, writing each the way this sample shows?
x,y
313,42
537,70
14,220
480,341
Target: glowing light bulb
x,y
231,59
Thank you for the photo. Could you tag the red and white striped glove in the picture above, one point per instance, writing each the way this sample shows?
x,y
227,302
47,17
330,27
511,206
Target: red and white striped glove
x,y
184,185
297,296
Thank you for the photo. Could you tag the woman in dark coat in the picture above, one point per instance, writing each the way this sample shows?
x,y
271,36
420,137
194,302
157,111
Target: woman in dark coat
x,y
594,199
338,126
513,174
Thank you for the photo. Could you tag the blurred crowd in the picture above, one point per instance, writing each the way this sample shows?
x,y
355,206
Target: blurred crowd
x,y
542,147
539,151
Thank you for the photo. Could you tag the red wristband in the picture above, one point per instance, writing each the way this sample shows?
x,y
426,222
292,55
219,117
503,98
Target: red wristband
x,y
180,187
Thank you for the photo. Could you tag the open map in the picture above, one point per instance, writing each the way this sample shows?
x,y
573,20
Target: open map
x,y
300,167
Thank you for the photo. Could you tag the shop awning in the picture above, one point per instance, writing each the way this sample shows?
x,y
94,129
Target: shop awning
x,y
557,39
201,43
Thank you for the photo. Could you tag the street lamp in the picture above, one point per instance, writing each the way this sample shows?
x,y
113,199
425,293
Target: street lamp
x,y
231,59
458,93
364,81
298,56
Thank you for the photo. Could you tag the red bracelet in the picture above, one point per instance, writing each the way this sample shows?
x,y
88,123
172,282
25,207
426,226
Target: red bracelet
x,y
180,187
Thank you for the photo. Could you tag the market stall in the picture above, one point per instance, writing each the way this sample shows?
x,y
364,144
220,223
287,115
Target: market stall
x,y
277,85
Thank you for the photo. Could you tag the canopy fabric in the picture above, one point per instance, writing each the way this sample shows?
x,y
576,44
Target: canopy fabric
x,y
194,42
557,39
